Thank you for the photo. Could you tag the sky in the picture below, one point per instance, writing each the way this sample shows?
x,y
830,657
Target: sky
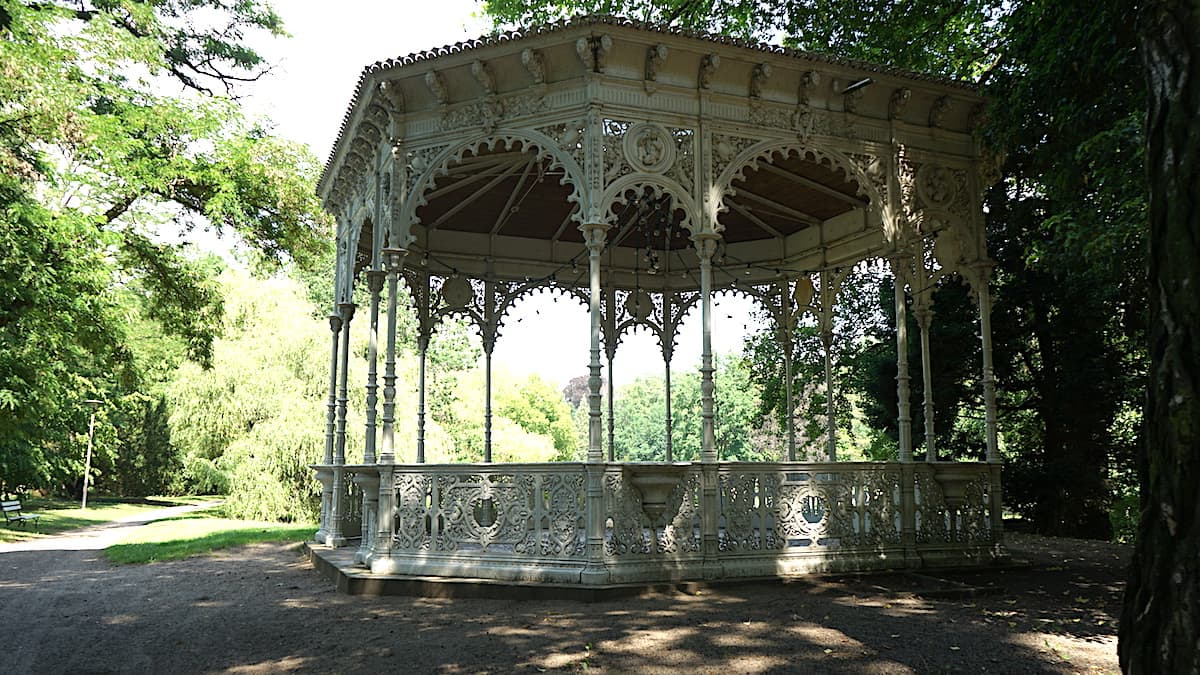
x,y
306,95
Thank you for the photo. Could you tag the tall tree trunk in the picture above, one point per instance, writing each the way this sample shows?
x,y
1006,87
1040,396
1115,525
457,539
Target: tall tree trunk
x,y
1160,622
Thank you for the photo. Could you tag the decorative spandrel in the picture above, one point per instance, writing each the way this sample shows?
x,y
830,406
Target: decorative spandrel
x,y
418,161
570,138
660,312
613,150
727,147
683,169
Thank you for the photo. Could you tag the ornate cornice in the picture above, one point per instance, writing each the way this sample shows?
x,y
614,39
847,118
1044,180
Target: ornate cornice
x,y
362,89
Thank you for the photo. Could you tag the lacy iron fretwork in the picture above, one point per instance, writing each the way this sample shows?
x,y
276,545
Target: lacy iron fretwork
x,y
538,515
974,517
937,523
776,510
932,518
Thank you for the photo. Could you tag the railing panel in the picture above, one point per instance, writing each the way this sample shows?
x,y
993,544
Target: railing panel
x,y
528,522
792,508
351,506
506,510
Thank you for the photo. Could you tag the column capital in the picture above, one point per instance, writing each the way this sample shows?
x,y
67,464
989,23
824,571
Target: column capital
x,y
706,244
335,322
346,309
978,273
375,280
595,234
393,258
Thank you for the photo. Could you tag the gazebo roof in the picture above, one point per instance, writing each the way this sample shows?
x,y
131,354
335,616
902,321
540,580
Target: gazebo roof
x,y
417,59
501,147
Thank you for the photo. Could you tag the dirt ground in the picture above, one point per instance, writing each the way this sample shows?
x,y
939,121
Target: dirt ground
x,y
264,609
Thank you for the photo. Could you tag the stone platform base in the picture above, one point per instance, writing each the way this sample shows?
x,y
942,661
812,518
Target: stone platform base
x,y
338,566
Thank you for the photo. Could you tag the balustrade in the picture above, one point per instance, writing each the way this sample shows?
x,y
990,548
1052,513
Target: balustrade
x,y
529,522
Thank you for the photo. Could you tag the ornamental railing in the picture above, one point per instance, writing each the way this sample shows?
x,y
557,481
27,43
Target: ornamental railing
x,y
613,523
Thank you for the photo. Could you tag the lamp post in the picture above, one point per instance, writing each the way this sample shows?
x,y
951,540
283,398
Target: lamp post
x,y
87,462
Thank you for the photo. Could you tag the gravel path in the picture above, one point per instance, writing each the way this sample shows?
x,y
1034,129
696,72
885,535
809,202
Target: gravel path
x,y
262,608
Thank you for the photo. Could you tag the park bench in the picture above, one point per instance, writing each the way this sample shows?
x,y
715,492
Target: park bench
x,y
12,514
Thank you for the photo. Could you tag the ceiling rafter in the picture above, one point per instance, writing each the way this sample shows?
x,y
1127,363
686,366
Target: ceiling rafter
x,y
512,197
565,223
484,162
475,195
469,180
853,200
755,219
785,210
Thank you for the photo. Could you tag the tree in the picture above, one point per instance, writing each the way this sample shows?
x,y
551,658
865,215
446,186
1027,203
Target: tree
x,y
539,409
248,425
640,412
102,177
1160,620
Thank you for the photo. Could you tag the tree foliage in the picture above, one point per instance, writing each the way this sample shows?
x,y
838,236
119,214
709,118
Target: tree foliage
x,y
103,179
640,410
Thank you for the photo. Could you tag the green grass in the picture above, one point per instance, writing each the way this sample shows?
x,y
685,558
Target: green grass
x,y
59,515
200,533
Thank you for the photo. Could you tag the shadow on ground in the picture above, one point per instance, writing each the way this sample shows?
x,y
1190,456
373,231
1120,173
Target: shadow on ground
x,y
262,608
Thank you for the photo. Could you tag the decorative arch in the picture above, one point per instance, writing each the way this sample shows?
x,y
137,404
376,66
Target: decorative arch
x,y
616,195
869,173
544,148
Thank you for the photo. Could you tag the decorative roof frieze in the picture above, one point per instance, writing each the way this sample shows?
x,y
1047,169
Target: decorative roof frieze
x,y
593,52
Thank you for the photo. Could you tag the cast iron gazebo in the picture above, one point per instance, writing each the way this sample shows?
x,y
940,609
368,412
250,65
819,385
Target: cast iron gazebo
x,y
643,169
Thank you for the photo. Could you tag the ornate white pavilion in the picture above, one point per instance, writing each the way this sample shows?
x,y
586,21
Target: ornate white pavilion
x,y
643,169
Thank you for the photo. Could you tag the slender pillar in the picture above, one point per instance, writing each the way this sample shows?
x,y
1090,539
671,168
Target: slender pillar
x,y
422,350
710,496
668,349
337,506
706,245
594,236
612,426
488,346
785,339
830,408
908,477
394,261
830,282
335,326
375,279
989,379
339,450
670,453
904,413
924,314
610,349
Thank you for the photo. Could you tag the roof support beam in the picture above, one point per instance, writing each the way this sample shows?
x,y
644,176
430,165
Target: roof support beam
x,y
754,219
472,179
786,210
476,195
512,197
565,223
853,200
